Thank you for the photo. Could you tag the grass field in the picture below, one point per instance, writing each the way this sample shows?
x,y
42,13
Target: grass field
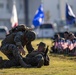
x,y
59,65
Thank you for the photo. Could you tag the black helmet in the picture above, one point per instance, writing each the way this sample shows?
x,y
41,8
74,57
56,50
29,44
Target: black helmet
x,y
30,35
41,44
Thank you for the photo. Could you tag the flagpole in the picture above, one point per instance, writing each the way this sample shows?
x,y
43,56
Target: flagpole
x,y
43,18
43,7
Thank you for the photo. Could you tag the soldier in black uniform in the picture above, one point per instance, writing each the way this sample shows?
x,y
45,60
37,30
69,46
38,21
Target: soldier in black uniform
x,y
13,45
38,57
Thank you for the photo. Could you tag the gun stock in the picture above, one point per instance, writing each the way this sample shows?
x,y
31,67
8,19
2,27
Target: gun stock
x,y
46,51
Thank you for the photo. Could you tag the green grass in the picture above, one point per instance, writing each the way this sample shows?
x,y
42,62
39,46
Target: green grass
x,y
59,65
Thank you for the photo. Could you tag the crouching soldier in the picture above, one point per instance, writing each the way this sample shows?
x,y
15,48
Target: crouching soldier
x,y
13,47
39,57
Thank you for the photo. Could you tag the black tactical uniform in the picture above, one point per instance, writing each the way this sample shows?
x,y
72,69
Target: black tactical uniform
x,y
11,45
38,58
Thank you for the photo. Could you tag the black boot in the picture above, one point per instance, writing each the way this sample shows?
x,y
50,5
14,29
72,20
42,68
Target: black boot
x,y
1,61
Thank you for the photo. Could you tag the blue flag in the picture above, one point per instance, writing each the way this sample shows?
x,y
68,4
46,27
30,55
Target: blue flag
x,y
39,16
70,16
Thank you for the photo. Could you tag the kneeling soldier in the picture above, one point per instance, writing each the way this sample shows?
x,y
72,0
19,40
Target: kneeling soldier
x,y
13,45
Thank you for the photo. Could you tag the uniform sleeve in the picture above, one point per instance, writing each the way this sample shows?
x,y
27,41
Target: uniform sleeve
x,y
29,47
17,39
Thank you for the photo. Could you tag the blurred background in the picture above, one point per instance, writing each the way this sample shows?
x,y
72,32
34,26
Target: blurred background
x,y
54,16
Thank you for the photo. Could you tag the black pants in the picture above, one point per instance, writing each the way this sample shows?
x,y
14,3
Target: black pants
x,y
33,60
12,53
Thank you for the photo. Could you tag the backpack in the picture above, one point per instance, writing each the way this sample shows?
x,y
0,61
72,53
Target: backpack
x,y
18,28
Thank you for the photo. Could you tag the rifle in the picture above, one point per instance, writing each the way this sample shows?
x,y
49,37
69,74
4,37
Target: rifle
x,y
46,51
46,58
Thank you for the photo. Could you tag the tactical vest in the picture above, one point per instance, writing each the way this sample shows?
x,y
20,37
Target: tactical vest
x,y
10,40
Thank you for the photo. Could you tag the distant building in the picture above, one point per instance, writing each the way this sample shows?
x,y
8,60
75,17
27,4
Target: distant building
x,y
25,10
54,9
6,11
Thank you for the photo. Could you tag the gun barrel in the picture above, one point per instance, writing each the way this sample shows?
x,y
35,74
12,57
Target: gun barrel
x,y
46,50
